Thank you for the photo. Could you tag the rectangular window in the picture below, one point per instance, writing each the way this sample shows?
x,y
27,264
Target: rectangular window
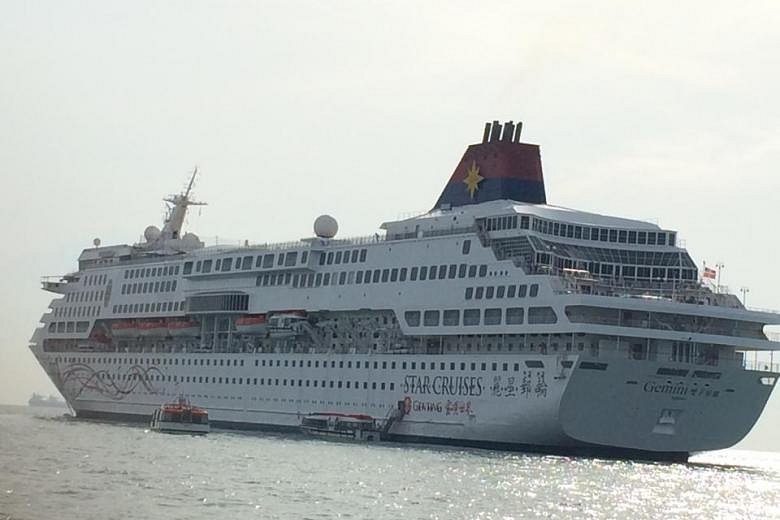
x,y
423,273
469,293
187,267
431,318
413,318
514,316
471,317
492,316
403,274
522,290
207,266
466,247
268,261
489,292
482,271
359,278
385,275
413,274
451,318
479,293
534,290
394,275
510,291
500,290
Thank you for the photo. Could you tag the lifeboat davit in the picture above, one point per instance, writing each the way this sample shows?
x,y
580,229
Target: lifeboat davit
x,y
124,329
183,328
152,328
252,324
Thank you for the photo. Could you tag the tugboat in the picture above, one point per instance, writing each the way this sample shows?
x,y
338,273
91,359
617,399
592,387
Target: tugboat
x,y
180,417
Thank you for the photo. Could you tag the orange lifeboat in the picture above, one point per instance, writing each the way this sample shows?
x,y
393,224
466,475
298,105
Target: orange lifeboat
x,y
183,328
252,324
152,328
124,329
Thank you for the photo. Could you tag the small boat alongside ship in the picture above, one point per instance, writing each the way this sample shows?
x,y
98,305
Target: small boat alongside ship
x,y
180,417
357,427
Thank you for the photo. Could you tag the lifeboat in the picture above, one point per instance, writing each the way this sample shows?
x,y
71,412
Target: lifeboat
x,y
180,417
152,328
183,328
124,329
252,324
357,427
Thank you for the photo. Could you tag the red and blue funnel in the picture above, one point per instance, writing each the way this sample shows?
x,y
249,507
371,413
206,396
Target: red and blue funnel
x,y
500,167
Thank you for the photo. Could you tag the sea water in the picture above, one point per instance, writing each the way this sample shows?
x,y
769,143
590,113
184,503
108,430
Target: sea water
x,y
55,467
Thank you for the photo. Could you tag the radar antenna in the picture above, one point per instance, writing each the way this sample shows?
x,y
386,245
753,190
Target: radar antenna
x,y
177,210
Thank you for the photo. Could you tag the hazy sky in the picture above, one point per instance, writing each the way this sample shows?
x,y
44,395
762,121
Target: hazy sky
x,y
362,109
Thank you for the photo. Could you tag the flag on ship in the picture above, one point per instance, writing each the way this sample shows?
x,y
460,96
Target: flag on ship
x,y
709,273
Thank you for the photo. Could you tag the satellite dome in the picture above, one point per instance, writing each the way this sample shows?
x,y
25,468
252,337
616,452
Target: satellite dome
x,y
326,226
151,233
191,238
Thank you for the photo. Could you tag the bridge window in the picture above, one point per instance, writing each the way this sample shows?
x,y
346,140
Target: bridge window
x,y
431,318
514,316
492,316
451,318
471,317
412,318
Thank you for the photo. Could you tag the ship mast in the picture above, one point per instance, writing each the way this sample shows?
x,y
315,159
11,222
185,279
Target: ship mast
x,y
177,210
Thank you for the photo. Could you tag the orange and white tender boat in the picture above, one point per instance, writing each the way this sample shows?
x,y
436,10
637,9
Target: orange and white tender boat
x,y
152,328
180,417
183,328
252,324
124,329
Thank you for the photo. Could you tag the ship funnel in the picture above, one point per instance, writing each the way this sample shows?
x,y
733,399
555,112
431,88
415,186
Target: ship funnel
x,y
498,168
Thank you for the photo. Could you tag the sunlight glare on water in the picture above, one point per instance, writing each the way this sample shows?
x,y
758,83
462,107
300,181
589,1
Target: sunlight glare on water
x,y
55,467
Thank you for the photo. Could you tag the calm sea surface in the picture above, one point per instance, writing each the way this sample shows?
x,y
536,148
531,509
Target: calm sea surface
x,y
54,467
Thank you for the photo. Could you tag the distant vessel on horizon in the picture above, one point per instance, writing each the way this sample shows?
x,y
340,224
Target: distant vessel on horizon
x,y
52,401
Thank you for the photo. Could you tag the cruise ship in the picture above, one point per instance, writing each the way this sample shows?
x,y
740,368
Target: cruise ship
x,y
494,320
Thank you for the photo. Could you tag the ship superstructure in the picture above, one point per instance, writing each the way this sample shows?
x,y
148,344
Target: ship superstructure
x,y
494,319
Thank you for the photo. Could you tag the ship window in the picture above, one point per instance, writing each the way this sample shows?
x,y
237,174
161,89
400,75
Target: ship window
x,y
462,270
500,291
342,277
304,257
423,273
326,279
479,293
622,237
604,235
385,275
355,256
377,274
671,239
471,317
451,318
268,261
492,316
642,237
661,239
472,271
432,272
402,274
466,247
482,271
489,292
413,318
318,280
363,255
359,277
651,239
469,292
431,318
246,263
443,272
187,267
394,275
338,257
541,315
514,316
534,290
413,274
207,266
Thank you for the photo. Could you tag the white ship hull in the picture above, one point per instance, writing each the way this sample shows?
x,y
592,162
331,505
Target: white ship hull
x,y
563,409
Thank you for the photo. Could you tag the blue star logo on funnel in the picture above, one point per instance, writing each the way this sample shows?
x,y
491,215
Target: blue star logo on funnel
x,y
473,178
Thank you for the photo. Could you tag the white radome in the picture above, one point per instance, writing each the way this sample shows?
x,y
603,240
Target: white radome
x,y
151,233
326,226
